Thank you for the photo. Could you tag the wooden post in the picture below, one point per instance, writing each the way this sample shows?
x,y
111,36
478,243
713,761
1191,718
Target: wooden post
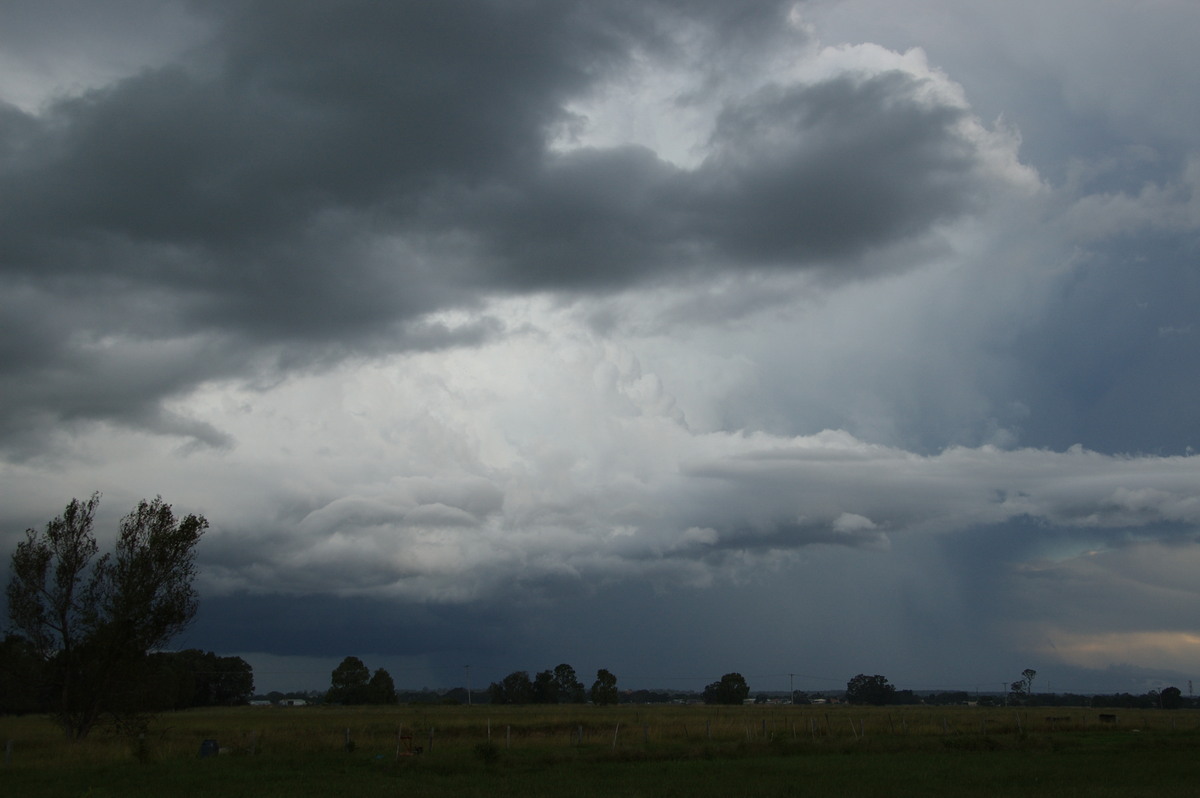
x,y
617,729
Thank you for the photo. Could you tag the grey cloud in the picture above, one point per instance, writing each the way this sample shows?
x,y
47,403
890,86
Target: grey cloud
x,y
721,512
825,171
319,177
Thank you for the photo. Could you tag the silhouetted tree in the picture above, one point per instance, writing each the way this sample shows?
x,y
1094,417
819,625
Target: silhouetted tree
x,y
348,684
545,688
863,689
604,689
1170,698
515,688
381,689
570,689
92,621
730,689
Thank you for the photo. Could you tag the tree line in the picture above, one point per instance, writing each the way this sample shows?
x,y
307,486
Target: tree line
x,y
559,685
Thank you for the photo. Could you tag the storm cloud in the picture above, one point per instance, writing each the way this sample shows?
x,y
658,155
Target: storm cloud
x,y
456,312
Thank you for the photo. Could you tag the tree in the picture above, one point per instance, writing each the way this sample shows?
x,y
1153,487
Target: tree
x,y
515,688
92,621
1027,675
863,689
1021,691
604,689
545,688
1170,698
348,684
194,678
381,689
570,689
730,689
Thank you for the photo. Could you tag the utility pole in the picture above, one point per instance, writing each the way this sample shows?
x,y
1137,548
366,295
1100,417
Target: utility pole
x,y
791,689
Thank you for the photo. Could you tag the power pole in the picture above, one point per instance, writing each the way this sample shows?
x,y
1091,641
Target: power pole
x,y
791,689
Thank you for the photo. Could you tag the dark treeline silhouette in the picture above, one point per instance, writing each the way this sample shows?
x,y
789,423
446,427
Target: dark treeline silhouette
x,y
154,682
558,686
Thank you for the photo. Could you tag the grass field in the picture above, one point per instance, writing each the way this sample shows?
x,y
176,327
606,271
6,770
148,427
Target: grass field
x,y
615,751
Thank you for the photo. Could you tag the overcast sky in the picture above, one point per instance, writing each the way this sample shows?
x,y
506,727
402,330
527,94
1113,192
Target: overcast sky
x,y
673,337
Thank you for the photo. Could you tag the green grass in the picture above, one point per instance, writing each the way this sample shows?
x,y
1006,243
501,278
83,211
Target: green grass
x,y
658,751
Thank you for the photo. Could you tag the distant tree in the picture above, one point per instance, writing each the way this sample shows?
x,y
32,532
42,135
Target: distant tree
x,y
455,695
92,621
1170,698
192,678
545,688
515,688
604,689
730,689
863,689
1021,691
570,689
348,684
381,689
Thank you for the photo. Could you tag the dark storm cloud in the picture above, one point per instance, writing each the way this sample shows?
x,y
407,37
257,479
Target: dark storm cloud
x,y
320,176
802,176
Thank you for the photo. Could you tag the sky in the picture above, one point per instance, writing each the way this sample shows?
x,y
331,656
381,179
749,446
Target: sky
x,y
671,337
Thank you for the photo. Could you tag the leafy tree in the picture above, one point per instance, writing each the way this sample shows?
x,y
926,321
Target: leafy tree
x,y
863,689
604,689
193,678
515,688
1170,698
570,689
348,684
1021,691
381,689
545,688
730,689
92,621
